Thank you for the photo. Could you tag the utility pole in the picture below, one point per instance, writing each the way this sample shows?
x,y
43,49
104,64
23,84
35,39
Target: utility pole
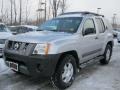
x,y
98,10
40,9
45,9
114,21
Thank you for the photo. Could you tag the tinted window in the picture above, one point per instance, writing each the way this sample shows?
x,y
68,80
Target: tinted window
x,y
3,28
67,24
24,29
100,24
89,27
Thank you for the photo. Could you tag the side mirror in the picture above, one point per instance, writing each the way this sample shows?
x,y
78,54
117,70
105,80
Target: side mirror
x,y
89,31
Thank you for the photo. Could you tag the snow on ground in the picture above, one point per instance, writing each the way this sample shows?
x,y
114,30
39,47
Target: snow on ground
x,y
3,68
92,77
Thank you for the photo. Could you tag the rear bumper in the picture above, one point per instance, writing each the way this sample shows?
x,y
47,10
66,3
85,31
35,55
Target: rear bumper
x,y
37,65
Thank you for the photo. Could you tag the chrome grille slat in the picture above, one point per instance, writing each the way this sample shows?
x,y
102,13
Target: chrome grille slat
x,y
1,50
24,49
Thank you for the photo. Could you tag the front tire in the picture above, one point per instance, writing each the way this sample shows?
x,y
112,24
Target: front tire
x,y
16,72
107,55
65,73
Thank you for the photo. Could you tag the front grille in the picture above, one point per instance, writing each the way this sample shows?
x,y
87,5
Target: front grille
x,y
20,47
2,41
12,45
1,50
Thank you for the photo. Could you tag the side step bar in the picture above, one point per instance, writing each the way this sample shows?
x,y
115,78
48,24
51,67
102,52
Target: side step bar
x,y
90,61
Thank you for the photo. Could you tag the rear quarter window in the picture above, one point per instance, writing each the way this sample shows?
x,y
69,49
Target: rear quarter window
x,y
108,26
100,25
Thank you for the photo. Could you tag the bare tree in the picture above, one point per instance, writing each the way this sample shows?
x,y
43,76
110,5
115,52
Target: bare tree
x,y
15,12
45,9
27,13
6,16
63,5
11,11
55,4
2,10
20,16
49,12
39,11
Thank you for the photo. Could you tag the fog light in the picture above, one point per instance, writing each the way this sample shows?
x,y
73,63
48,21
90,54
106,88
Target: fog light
x,y
39,68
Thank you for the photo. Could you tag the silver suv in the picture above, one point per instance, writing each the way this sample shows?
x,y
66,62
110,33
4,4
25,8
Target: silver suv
x,y
60,47
4,34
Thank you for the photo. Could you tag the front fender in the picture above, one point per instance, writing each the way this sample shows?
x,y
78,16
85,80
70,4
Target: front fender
x,y
65,46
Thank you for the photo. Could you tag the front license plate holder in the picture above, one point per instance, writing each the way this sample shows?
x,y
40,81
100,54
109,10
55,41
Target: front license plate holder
x,y
13,65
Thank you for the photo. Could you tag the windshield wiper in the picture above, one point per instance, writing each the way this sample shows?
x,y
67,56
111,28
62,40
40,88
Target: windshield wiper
x,y
53,30
39,30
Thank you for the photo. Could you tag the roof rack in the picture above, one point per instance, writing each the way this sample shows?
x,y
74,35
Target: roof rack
x,y
83,13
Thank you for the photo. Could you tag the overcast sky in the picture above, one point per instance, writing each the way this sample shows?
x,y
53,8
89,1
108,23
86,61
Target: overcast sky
x,y
109,7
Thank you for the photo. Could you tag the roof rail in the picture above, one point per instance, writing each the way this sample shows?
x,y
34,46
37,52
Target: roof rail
x,y
83,13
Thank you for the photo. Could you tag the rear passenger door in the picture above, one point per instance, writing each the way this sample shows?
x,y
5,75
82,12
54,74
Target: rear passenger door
x,y
89,42
101,29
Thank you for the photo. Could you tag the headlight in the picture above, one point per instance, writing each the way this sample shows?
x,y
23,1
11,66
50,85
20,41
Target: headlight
x,y
41,49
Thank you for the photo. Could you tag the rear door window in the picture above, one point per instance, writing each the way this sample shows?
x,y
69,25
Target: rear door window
x,y
100,24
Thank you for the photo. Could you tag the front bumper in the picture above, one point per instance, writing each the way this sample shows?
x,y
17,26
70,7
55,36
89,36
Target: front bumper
x,y
35,65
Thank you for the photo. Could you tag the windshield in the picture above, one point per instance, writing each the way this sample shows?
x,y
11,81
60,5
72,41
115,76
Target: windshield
x,y
68,24
3,28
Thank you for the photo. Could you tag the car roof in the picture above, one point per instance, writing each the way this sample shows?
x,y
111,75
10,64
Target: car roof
x,y
80,14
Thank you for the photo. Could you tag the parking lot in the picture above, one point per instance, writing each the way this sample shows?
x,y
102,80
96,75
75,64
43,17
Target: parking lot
x,y
92,77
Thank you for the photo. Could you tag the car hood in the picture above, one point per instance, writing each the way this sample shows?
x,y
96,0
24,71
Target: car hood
x,y
5,35
39,37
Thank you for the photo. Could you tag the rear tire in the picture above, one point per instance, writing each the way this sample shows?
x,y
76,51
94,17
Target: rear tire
x,y
107,55
14,71
65,72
